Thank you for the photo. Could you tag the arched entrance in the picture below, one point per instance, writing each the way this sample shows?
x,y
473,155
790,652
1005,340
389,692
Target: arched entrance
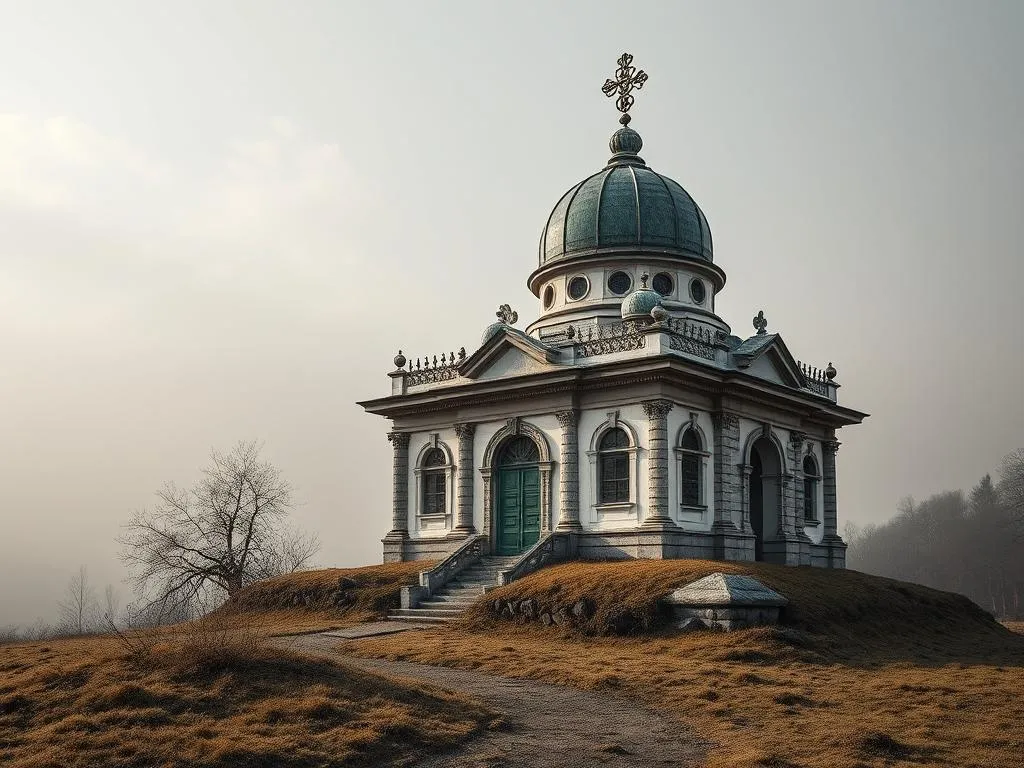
x,y
764,493
518,495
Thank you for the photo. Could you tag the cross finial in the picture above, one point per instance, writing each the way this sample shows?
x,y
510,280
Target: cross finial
x,y
507,315
627,77
760,322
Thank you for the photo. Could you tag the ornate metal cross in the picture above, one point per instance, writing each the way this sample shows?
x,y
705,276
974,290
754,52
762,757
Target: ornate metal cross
x,y
627,77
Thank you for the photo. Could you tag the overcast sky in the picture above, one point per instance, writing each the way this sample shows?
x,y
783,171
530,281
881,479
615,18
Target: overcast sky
x,y
220,220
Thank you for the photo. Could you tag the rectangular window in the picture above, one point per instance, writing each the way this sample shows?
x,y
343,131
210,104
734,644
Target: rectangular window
x,y
810,494
614,478
433,493
691,480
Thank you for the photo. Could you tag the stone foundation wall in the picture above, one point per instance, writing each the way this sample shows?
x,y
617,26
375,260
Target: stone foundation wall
x,y
639,544
418,549
727,618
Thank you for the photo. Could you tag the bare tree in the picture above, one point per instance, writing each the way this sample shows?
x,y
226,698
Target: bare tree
x,y
111,605
9,634
78,609
199,545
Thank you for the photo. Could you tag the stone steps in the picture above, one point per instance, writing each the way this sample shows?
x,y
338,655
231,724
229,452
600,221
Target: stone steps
x,y
458,594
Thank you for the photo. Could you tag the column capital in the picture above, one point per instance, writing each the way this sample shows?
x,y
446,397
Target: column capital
x,y
657,409
465,430
567,419
797,439
830,446
725,420
399,439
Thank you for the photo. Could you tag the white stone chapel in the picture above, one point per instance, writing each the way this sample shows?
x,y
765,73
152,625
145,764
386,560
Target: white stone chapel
x,y
627,419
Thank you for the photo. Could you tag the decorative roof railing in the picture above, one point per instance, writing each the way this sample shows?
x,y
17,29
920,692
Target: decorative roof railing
x,y
693,338
816,379
431,370
608,339
688,337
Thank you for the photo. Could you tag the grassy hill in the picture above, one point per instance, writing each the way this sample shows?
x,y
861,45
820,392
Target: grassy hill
x,y
214,694
865,671
314,601
840,612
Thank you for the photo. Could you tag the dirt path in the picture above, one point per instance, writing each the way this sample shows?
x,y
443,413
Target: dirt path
x,y
548,725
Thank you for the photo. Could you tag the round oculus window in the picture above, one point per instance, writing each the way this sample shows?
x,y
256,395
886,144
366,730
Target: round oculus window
x,y
619,283
663,283
697,291
579,287
549,297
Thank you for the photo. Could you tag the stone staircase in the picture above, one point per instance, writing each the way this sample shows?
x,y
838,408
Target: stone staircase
x,y
458,594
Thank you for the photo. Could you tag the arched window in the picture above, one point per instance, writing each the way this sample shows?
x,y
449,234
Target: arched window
x,y
613,467
519,450
810,490
434,482
691,458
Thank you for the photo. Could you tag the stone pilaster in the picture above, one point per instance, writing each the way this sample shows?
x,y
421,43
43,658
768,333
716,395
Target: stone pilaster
x,y
729,481
394,541
830,512
795,450
464,480
657,463
829,448
795,502
569,472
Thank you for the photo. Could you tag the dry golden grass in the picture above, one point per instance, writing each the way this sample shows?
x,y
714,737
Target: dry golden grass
x,y
867,672
316,601
211,695
1015,626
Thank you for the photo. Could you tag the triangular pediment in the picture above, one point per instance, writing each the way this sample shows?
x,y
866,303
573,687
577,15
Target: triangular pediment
x,y
768,358
509,353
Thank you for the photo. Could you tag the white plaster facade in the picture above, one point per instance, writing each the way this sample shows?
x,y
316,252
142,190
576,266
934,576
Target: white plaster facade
x,y
653,363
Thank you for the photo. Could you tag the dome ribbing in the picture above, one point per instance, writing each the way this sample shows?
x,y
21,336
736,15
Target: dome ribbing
x,y
626,205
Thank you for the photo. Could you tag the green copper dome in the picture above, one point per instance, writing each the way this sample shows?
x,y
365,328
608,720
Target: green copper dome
x,y
626,205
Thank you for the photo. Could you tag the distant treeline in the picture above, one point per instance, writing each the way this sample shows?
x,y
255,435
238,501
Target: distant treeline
x,y
968,542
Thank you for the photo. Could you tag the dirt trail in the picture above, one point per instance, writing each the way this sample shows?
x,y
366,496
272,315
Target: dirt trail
x,y
548,725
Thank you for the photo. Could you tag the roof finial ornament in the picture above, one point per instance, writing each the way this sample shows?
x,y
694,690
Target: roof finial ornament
x,y
760,322
627,77
507,315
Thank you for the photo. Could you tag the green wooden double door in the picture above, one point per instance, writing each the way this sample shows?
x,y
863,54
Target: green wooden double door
x,y
518,515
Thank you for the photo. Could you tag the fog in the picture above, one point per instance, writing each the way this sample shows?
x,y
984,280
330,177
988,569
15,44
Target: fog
x,y
220,220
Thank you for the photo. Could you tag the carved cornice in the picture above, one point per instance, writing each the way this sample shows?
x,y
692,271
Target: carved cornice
x,y
400,440
657,409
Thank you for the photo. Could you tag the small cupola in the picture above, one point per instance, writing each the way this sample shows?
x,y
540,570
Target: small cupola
x,y
638,304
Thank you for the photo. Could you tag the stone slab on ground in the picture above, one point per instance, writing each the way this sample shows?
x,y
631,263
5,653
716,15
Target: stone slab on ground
x,y
726,589
374,629
725,601
544,725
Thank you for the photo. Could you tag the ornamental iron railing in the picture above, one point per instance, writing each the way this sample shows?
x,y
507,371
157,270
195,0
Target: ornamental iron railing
x,y
431,370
